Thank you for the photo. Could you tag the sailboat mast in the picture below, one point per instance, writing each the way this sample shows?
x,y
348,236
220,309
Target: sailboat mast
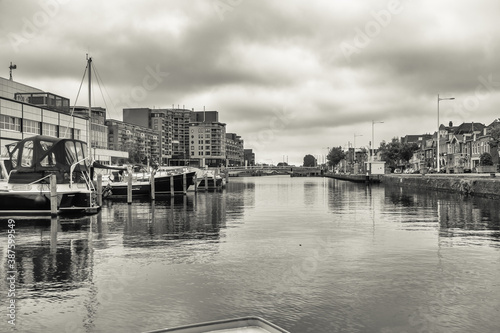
x,y
89,139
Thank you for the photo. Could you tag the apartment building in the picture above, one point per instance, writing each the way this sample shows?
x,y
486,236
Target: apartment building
x,y
140,142
234,150
207,139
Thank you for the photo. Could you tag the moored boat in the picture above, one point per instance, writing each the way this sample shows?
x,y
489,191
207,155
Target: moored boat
x,y
210,180
141,186
30,164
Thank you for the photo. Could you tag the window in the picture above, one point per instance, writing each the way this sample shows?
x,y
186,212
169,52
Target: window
x,y
31,126
10,123
64,132
27,157
49,129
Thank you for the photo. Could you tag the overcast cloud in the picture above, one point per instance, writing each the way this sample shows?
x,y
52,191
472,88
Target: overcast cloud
x,y
291,77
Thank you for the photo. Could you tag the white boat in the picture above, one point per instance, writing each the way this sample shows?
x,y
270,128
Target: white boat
x,y
238,325
30,164
210,179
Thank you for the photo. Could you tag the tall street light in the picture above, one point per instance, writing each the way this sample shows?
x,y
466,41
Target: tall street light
x,y
372,144
354,150
438,138
373,137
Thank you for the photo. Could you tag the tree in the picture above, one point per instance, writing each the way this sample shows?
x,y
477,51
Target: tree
x,y
494,142
335,155
134,156
282,164
406,151
389,152
485,159
309,161
395,152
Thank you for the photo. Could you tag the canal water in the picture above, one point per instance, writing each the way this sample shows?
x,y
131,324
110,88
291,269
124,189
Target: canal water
x,y
308,254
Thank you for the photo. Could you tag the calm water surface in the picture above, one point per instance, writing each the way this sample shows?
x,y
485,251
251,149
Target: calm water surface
x,y
308,254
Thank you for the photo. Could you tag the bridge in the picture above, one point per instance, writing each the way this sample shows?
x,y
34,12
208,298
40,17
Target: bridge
x,y
261,170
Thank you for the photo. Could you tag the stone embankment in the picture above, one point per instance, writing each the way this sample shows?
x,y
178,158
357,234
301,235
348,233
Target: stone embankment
x,y
483,185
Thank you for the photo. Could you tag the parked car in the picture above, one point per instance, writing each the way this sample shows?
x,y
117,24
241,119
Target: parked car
x,y
397,170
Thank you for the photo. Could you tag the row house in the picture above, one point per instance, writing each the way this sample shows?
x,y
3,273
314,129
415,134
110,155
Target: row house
x,y
419,158
460,147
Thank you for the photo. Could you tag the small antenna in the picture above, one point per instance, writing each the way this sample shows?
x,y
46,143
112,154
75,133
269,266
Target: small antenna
x,y
11,67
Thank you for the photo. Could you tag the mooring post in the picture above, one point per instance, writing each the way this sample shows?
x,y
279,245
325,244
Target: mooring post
x,y
171,185
129,187
99,190
195,179
184,183
152,185
206,181
53,195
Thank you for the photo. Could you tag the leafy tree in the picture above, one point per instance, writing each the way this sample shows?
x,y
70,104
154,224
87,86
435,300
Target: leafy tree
x,y
494,143
134,156
406,151
395,152
309,161
335,155
485,159
389,152
282,164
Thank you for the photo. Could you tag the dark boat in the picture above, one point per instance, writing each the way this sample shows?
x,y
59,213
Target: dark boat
x,y
31,162
142,186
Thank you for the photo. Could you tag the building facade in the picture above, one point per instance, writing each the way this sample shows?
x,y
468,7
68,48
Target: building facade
x,y
140,142
234,150
207,139
22,117
249,157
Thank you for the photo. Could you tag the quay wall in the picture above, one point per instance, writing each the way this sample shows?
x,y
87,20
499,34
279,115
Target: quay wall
x,y
482,186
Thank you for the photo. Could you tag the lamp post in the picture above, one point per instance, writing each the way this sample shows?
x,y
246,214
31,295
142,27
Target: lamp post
x,y
372,143
438,138
354,150
373,137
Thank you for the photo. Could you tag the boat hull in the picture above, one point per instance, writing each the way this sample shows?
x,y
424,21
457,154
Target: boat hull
x,y
211,183
162,186
34,203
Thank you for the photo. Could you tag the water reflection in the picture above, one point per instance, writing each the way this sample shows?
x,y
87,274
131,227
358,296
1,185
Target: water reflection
x,y
310,254
470,220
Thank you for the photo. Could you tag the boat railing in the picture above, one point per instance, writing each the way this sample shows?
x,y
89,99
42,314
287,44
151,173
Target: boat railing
x,y
86,176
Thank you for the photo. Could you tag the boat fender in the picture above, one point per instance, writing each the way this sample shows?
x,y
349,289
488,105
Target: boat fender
x,y
41,200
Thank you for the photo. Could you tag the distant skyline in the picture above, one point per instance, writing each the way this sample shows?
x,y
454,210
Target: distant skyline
x,y
291,78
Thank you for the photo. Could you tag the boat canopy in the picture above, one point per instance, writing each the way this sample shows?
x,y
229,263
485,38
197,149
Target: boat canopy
x,y
44,153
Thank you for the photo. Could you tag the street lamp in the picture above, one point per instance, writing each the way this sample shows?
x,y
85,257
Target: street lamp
x,y
372,143
438,138
373,137
354,150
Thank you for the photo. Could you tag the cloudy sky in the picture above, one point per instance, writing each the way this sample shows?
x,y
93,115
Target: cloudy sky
x,y
291,77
